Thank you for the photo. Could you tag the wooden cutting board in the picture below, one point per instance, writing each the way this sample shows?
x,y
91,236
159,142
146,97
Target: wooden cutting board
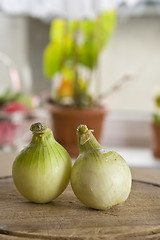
x,y
66,218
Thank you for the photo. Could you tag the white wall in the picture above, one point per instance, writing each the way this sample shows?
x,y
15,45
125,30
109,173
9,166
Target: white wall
x,y
134,48
14,42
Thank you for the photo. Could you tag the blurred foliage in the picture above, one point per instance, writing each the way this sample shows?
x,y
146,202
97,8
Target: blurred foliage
x,y
157,101
10,96
74,44
156,116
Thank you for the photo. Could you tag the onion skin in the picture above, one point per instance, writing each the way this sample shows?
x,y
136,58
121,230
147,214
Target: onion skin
x,y
100,178
41,171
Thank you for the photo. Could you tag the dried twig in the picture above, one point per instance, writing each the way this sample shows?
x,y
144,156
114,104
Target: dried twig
x,y
122,81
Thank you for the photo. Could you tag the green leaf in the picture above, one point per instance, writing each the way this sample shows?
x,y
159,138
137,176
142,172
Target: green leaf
x,y
96,35
68,71
87,27
73,26
68,46
87,54
57,30
56,54
104,27
52,59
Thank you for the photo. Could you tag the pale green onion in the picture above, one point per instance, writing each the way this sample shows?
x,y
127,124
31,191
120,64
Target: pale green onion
x,y
100,178
41,171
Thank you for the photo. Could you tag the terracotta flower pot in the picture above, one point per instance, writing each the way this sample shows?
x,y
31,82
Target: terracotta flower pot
x,y
156,139
65,121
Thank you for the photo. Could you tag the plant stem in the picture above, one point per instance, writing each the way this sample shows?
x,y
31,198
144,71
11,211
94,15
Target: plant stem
x,y
75,67
98,82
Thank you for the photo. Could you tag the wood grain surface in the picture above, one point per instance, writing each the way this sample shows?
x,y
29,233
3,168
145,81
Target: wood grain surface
x,y
66,218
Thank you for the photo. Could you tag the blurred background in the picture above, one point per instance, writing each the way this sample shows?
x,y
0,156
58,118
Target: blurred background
x,y
132,53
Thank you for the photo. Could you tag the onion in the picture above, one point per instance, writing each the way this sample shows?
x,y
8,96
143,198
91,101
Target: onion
x,y
41,171
99,178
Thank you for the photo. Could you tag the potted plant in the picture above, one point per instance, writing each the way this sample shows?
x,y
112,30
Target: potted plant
x,y
156,128
71,59
15,105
